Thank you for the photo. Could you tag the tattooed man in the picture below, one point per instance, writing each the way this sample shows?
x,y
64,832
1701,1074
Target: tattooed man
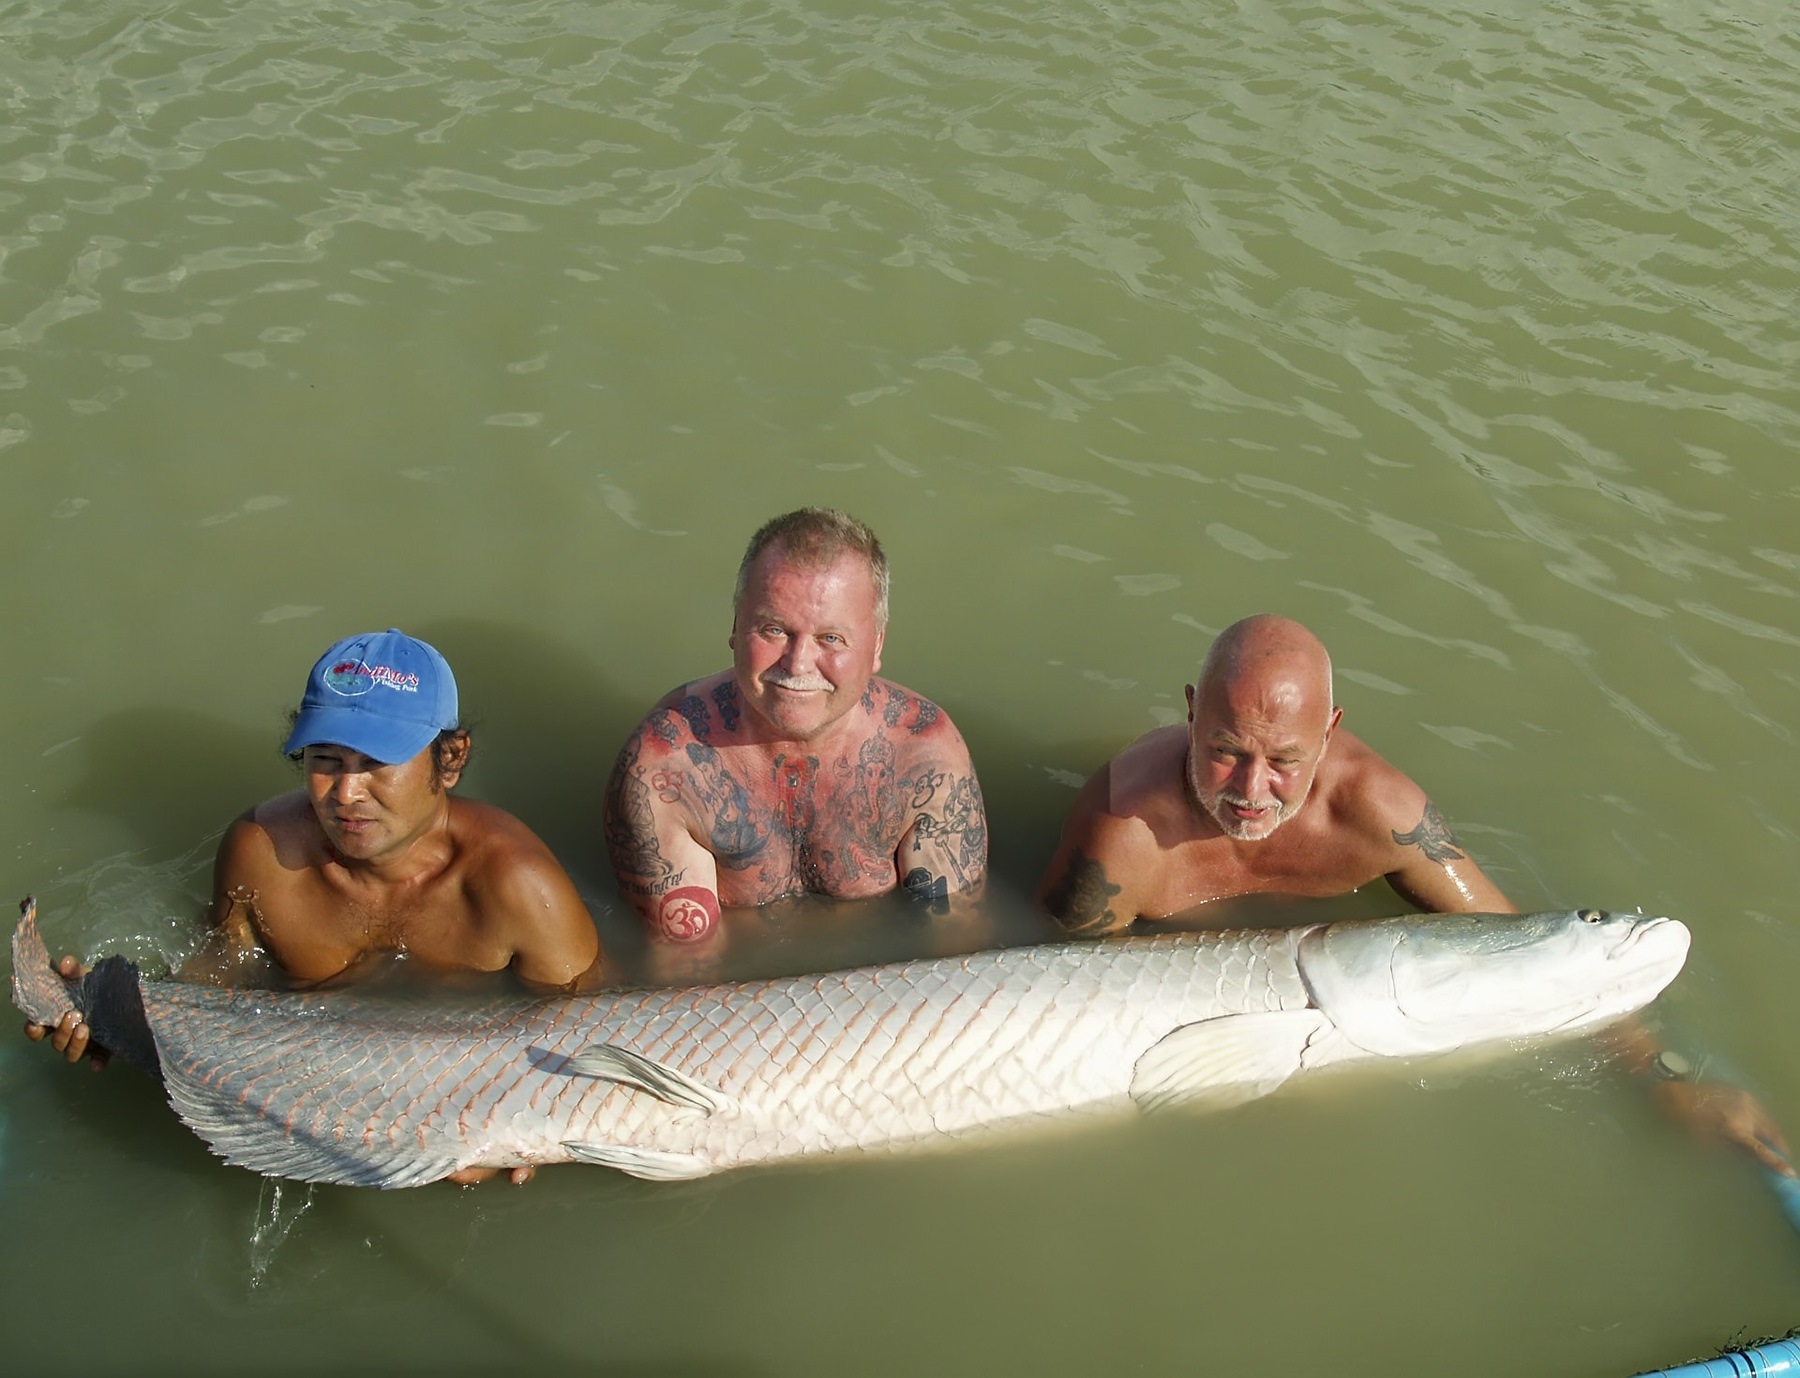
x,y
1258,793
797,770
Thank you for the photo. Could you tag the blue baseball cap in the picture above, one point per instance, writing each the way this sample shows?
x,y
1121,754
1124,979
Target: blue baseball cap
x,y
385,694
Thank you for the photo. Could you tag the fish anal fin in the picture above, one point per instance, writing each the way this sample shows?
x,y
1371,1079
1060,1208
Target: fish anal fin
x,y
610,1062
265,1144
1225,1061
653,1165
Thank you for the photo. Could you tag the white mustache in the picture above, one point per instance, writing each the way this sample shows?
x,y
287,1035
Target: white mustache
x,y
1239,801
803,683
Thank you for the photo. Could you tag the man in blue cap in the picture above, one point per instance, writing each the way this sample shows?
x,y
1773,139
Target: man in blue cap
x,y
373,859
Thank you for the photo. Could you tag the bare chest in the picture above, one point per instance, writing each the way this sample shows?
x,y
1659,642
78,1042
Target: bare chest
x,y
317,931
1216,868
799,823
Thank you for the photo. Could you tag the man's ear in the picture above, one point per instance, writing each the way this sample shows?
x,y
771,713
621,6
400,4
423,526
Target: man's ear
x,y
1337,715
1190,699
452,758
880,641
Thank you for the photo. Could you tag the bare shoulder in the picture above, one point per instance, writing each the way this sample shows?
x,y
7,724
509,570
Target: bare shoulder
x,y
1092,883
1391,825
519,888
1111,823
1367,794
278,836
911,720
494,845
1145,780
703,710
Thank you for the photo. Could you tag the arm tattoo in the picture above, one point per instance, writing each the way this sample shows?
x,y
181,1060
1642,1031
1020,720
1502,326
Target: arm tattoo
x,y
1083,902
931,891
725,806
959,831
631,827
686,915
1433,837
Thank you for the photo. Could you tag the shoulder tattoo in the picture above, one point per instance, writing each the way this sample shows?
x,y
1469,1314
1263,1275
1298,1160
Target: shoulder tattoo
x,y
725,699
1433,837
1082,903
699,717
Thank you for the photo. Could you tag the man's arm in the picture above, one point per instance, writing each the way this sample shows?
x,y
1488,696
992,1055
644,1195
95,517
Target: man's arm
x,y
229,949
1087,886
1430,870
232,951
663,871
944,851
524,889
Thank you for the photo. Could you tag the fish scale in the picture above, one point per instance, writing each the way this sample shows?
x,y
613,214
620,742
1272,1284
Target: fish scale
x,y
892,1055
351,1087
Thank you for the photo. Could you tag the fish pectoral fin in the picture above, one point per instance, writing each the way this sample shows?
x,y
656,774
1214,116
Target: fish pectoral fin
x,y
1225,1061
653,1165
610,1062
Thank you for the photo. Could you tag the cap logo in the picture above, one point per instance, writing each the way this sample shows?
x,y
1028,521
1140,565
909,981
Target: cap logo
x,y
354,678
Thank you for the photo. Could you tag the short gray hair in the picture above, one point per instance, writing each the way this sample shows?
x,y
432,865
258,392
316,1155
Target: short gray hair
x,y
815,537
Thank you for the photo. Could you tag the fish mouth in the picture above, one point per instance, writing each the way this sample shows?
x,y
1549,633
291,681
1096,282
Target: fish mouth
x,y
1653,931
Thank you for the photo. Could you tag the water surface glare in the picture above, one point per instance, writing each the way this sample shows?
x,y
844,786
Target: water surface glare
x,y
1466,335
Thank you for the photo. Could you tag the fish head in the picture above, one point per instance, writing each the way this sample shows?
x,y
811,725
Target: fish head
x,y
1431,983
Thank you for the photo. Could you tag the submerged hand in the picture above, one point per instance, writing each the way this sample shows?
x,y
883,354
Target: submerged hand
x,y
1716,1110
70,1036
469,1176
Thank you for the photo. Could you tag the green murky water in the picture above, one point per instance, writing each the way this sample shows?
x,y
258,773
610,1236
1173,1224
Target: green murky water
x,y
1465,335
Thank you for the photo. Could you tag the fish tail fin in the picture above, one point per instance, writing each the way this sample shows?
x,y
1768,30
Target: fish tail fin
x,y
38,989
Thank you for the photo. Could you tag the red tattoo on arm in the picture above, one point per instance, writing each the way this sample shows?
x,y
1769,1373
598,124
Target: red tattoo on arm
x,y
686,915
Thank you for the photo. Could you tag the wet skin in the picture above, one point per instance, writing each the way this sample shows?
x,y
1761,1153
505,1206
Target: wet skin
x,y
797,771
372,861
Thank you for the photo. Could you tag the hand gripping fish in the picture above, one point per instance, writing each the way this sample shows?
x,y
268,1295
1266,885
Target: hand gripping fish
x,y
355,1088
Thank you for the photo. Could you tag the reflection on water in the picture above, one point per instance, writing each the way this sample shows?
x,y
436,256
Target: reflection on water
x,y
1465,336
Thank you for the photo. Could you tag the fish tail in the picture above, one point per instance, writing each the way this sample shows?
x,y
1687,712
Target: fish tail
x,y
39,991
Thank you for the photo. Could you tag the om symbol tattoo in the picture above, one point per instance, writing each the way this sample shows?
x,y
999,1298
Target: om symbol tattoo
x,y
667,784
925,787
687,914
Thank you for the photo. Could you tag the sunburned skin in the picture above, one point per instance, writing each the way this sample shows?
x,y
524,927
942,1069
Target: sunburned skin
x,y
687,914
774,822
798,771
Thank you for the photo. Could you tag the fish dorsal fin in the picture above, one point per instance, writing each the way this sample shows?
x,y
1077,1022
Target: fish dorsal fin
x,y
653,1165
610,1062
1225,1061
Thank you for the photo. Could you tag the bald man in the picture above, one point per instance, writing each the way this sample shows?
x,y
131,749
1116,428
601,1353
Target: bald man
x,y
1260,792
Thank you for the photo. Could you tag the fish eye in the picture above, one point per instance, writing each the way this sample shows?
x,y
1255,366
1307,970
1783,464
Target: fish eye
x,y
1589,915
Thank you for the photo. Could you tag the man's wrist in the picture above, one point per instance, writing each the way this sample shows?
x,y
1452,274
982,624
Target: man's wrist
x,y
1669,1065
